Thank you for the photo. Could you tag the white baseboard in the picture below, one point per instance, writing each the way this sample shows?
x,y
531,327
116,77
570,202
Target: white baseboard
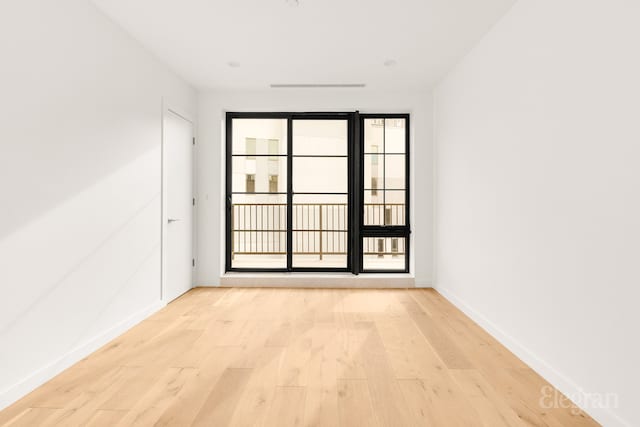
x,y
44,374
562,383
421,284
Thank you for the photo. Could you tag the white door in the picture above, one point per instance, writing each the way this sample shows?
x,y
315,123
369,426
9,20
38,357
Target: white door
x,y
178,167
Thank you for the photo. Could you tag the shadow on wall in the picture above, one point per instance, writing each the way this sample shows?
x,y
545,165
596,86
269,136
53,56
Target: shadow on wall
x,y
80,100
69,273
46,164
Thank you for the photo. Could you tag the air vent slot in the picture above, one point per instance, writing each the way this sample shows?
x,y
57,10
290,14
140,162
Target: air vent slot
x,y
317,85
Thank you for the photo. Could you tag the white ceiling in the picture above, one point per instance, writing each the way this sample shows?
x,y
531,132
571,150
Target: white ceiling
x,y
318,41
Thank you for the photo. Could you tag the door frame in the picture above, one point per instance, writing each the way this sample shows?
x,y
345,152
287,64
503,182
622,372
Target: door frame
x,y
168,108
356,229
290,117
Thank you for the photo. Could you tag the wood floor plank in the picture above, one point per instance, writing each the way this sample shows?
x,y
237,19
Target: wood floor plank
x,y
280,335
386,395
259,392
221,403
443,343
350,339
321,404
481,347
355,407
491,409
149,409
534,386
82,407
295,362
33,417
523,399
419,404
410,354
288,357
105,418
189,400
287,409
446,407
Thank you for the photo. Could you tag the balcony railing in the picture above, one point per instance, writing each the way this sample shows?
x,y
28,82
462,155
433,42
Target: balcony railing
x,y
318,229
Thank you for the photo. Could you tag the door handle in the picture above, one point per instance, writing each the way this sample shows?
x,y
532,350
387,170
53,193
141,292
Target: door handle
x,y
170,220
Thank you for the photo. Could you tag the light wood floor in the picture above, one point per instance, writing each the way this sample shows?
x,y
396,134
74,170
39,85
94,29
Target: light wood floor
x,y
284,357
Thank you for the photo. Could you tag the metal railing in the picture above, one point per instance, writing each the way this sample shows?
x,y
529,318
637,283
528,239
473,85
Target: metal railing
x,y
318,229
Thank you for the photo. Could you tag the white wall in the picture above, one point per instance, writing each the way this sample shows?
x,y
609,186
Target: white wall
x,y
210,149
538,192
80,135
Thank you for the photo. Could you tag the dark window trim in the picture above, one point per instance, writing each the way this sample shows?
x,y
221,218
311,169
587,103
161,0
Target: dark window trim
x,y
401,231
356,229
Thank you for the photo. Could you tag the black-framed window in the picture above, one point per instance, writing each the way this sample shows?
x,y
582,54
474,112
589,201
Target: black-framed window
x,y
385,213
317,192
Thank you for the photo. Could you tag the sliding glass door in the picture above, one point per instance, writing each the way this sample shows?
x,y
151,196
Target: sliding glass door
x,y
320,193
316,192
257,194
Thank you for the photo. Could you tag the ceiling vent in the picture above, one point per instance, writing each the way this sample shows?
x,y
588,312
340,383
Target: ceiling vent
x,y
317,85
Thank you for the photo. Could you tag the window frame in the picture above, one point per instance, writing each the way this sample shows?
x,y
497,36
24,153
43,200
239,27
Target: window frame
x,y
357,231
384,231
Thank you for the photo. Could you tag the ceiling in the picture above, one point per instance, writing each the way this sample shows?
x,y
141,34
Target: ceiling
x,y
249,44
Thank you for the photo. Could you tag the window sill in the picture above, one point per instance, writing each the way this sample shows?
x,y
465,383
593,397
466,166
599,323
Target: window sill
x,y
318,280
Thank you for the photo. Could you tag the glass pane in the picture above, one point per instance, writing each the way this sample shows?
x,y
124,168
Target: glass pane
x,y
373,171
320,175
373,135
394,208
320,137
383,253
259,174
320,225
395,136
384,207
250,147
259,136
259,231
394,171
373,207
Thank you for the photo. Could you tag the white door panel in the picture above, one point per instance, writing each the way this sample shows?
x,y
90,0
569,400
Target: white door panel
x,y
178,163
